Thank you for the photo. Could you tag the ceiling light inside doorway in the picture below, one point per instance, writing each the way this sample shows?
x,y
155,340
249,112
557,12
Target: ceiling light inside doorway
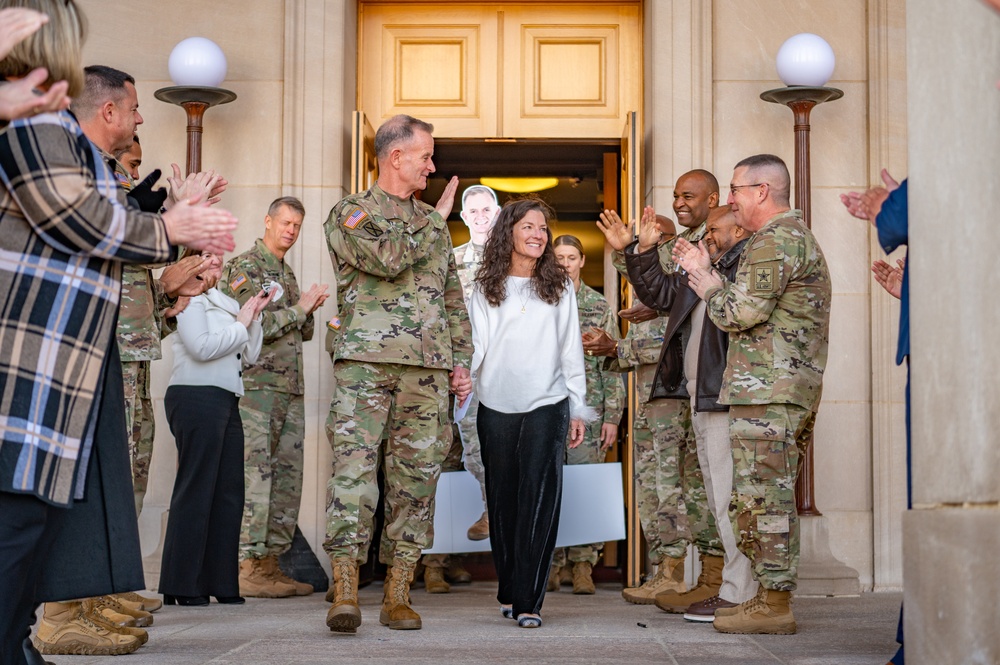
x,y
520,185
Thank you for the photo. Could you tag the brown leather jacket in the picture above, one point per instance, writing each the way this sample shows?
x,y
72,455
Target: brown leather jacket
x,y
670,293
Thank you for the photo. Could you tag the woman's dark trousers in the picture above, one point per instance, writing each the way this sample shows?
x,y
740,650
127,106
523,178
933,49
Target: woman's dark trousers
x,y
523,457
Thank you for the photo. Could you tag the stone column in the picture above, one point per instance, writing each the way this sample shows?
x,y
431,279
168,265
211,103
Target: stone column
x,y
951,572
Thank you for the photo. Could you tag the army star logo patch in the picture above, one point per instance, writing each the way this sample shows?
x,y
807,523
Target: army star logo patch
x,y
355,218
763,278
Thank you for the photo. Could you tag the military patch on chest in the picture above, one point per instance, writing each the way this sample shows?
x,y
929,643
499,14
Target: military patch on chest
x,y
355,218
372,229
241,280
764,277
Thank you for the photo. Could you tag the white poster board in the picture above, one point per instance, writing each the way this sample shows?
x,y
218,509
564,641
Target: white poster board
x,y
593,509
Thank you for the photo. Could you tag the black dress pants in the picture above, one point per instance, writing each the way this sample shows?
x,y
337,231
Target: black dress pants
x,y
523,458
201,546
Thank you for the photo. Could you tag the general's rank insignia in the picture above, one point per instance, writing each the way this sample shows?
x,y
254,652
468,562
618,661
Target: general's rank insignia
x,y
240,280
763,278
355,218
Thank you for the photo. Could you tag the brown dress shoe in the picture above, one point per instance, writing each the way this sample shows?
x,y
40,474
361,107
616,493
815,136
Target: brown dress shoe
x,y
704,611
481,529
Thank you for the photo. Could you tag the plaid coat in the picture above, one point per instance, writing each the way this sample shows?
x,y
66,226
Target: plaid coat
x,y
64,233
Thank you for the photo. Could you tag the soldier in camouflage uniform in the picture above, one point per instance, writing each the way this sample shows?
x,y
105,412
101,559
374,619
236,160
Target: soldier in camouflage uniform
x,y
777,312
400,341
605,394
479,212
684,514
272,406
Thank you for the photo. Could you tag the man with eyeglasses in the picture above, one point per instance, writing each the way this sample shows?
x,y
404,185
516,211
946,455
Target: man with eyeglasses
x,y
777,313
673,503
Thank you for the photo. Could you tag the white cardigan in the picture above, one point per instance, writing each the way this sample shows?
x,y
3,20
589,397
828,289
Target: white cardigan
x,y
212,346
524,360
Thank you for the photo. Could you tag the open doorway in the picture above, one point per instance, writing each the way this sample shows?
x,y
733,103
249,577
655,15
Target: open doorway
x,y
589,180
580,166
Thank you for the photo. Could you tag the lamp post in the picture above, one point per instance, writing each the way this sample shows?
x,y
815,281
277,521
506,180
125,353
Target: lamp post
x,y
805,63
197,66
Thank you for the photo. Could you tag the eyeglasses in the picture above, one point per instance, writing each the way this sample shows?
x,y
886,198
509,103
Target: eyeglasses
x,y
733,188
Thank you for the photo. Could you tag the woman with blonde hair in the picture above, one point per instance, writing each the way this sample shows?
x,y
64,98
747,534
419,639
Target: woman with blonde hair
x,y
66,526
528,372
605,394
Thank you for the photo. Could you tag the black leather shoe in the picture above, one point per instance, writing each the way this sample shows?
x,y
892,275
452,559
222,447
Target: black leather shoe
x,y
231,600
186,601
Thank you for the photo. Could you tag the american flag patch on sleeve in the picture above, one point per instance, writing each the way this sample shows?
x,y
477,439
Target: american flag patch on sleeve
x,y
334,323
240,280
355,218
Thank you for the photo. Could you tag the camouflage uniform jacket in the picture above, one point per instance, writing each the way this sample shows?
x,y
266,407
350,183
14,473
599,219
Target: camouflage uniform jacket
x,y
139,322
467,260
399,299
285,324
605,390
640,350
777,313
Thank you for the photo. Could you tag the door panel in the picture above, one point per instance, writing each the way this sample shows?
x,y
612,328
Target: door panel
x,y
364,165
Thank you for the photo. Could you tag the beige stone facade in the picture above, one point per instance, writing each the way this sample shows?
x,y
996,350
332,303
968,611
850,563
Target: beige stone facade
x,y
293,65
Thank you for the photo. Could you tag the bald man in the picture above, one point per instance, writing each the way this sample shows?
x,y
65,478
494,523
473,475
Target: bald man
x,y
673,504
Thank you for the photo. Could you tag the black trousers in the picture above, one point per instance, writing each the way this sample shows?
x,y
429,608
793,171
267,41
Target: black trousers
x,y
523,458
88,548
201,546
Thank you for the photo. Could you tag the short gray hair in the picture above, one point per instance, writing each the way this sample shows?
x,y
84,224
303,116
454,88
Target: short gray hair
x,y
395,130
774,171
478,189
290,202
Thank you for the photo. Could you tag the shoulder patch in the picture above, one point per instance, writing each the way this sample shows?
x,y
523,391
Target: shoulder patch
x,y
355,218
764,276
372,229
240,280
334,323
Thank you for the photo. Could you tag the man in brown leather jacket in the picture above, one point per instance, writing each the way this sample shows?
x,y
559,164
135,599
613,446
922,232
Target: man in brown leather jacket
x,y
694,371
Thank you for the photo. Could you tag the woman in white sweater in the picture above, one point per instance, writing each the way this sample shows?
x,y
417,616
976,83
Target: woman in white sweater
x,y
215,338
528,371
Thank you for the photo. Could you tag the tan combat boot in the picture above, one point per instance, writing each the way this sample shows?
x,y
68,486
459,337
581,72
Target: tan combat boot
x,y
344,616
669,578
434,580
139,602
92,609
480,530
767,613
583,583
142,618
396,611
274,572
456,573
66,630
255,583
553,584
113,618
709,583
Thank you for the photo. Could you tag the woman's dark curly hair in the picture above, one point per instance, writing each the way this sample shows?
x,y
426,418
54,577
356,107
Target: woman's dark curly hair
x,y
548,279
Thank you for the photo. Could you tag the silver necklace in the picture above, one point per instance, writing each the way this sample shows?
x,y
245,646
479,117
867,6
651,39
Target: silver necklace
x,y
523,293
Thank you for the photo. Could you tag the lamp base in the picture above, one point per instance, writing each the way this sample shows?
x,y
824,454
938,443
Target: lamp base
x,y
183,94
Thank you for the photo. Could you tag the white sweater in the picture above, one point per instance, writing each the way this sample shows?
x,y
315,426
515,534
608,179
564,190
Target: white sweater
x,y
531,358
212,346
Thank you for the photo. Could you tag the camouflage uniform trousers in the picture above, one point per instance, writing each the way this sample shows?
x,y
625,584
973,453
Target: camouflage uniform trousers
x,y
768,444
273,434
588,452
472,455
453,462
408,406
671,496
140,424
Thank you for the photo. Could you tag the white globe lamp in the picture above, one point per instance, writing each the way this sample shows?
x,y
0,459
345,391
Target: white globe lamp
x,y
197,61
805,59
